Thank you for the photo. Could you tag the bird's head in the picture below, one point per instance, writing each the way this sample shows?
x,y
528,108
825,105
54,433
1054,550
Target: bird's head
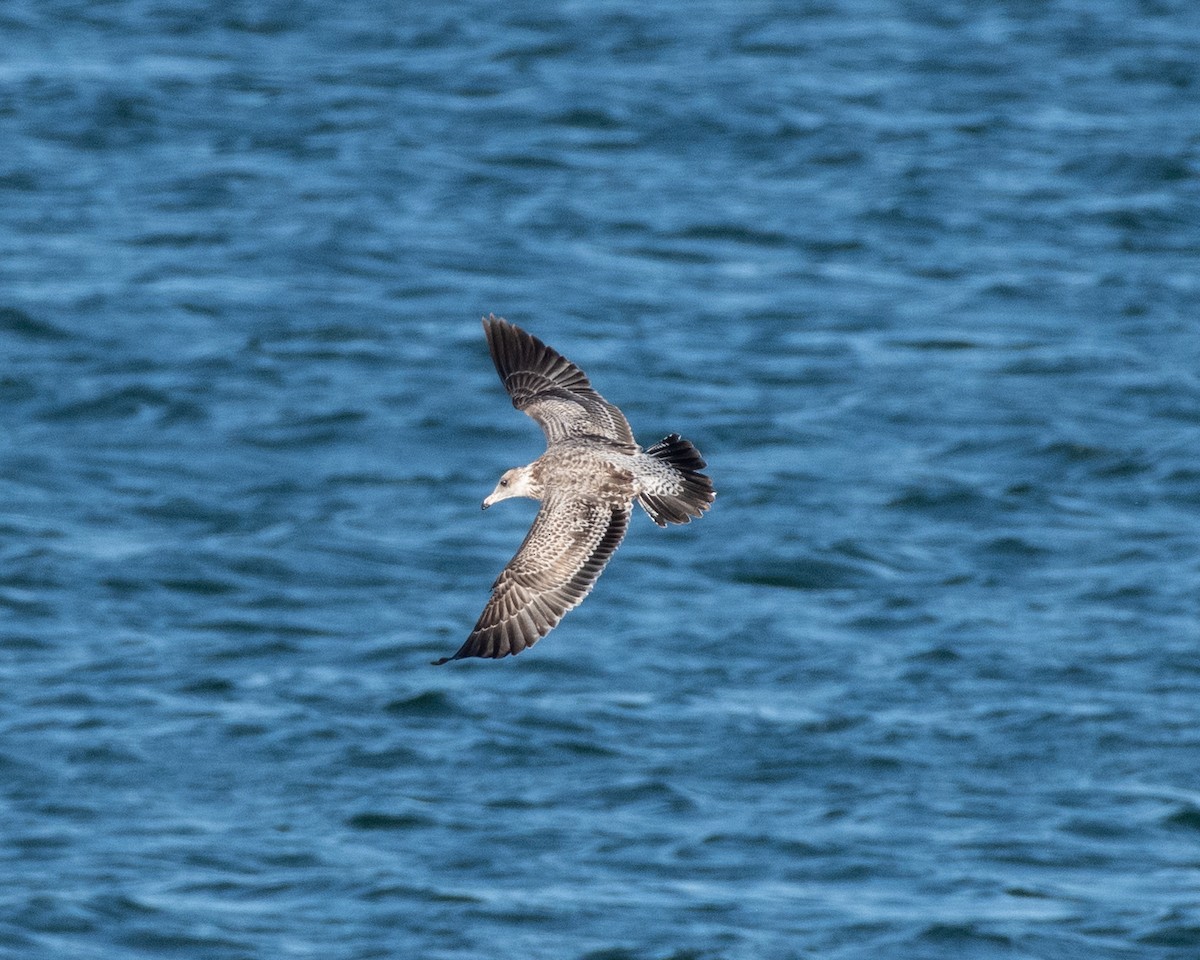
x,y
517,482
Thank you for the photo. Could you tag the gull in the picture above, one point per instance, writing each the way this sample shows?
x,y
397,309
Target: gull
x,y
587,481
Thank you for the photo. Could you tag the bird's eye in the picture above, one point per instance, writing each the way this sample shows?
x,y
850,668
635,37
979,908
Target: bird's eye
x,y
504,483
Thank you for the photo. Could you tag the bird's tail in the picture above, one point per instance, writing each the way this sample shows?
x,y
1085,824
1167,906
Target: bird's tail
x,y
682,492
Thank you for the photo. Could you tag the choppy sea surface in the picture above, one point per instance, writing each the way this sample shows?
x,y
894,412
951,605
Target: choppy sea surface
x,y
920,279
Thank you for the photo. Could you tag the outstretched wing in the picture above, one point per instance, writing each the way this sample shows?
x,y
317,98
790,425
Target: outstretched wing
x,y
551,389
555,568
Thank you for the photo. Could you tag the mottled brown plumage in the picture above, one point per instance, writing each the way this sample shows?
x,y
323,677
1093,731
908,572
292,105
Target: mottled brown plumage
x,y
587,480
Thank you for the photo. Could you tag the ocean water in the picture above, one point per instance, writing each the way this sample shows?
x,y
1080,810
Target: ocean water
x,y
920,279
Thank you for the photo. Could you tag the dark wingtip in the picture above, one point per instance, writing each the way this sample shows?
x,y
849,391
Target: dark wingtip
x,y
438,663
503,343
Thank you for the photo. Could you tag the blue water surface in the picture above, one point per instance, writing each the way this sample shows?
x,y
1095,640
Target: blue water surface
x,y
920,279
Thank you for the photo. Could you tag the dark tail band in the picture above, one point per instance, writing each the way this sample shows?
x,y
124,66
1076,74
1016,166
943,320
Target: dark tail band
x,y
692,494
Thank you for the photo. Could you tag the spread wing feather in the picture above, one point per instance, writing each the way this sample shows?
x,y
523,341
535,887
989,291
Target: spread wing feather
x,y
551,389
555,568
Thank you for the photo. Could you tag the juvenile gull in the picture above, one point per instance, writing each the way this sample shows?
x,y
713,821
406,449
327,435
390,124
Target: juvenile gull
x,y
587,480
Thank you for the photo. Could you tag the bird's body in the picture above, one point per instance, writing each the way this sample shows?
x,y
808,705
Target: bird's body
x,y
587,481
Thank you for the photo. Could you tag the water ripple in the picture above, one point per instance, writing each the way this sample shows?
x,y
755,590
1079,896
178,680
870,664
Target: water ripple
x,y
919,280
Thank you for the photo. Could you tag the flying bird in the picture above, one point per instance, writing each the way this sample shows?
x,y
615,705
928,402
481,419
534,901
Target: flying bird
x,y
587,481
